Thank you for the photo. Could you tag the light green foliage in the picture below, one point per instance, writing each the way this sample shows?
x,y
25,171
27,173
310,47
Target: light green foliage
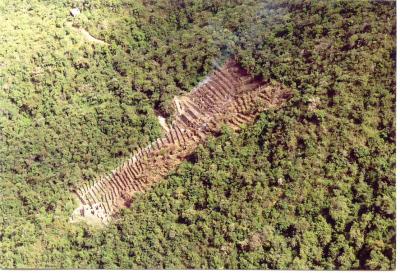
x,y
308,186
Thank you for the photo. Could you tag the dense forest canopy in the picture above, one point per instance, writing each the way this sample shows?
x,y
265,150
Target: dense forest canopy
x,y
307,186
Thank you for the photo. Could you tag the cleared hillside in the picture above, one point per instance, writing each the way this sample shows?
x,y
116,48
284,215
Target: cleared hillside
x,y
307,185
229,96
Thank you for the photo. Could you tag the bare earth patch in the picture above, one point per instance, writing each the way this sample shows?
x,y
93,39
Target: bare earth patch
x,y
230,96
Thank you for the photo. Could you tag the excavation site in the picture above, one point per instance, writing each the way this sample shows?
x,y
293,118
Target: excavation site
x,y
198,134
229,95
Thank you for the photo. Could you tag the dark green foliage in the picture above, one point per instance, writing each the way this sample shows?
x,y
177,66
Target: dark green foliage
x,y
308,186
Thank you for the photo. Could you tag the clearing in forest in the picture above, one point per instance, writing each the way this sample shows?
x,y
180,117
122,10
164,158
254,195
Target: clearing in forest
x,y
89,37
86,35
229,96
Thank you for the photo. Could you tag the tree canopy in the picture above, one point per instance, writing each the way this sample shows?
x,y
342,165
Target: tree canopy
x,y
307,186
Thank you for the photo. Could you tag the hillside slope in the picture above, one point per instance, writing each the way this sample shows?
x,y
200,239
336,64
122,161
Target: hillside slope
x,y
308,186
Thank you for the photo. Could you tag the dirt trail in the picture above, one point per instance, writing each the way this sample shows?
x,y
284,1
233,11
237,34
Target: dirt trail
x,y
230,96
89,37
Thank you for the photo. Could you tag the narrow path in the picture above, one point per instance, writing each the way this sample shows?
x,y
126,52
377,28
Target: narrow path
x,y
89,37
230,96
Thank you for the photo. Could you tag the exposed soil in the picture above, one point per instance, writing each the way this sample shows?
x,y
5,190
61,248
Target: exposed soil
x,y
88,37
230,96
163,123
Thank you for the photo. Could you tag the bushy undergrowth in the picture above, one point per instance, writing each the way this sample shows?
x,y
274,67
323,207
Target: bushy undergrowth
x,y
310,185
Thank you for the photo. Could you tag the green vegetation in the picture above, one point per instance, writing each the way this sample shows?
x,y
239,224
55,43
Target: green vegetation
x,y
311,185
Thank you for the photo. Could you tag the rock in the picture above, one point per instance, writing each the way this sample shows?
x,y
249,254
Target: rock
x,y
314,102
74,12
163,123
